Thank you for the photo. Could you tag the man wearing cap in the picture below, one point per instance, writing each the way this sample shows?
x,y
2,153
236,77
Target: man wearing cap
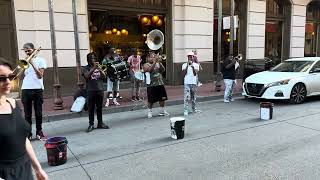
x,y
190,71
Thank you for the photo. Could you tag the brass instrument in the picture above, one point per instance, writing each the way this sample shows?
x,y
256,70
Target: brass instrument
x,y
23,64
239,58
155,39
101,67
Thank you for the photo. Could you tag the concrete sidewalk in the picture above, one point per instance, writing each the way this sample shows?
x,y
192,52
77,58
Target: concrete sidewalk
x,y
175,96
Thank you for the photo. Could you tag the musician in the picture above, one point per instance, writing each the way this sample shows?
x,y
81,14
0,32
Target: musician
x,y
32,90
112,85
229,73
94,84
17,157
155,89
134,62
190,71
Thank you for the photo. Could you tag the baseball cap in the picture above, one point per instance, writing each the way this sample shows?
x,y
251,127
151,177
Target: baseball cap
x,y
190,54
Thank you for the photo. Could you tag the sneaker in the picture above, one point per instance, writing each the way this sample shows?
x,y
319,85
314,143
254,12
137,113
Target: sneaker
x,y
115,102
30,136
107,103
199,84
226,101
185,113
90,128
163,113
149,114
231,99
41,136
102,126
197,111
133,99
138,98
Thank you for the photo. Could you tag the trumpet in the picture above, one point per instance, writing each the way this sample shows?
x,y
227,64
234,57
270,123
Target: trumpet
x,y
23,64
101,67
239,58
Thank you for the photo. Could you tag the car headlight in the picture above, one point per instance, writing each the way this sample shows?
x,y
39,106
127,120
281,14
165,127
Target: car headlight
x,y
278,83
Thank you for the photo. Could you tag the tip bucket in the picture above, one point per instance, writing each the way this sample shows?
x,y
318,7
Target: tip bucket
x,y
266,110
177,127
56,150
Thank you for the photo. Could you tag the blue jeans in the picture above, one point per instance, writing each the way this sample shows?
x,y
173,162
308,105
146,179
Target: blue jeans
x,y
228,84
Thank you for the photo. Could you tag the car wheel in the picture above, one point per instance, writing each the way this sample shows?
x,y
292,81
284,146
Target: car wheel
x,y
298,94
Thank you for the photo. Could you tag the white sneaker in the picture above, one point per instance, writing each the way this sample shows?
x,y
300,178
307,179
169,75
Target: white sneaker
x,y
226,101
115,102
163,113
231,99
107,103
199,84
185,113
197,111
149,114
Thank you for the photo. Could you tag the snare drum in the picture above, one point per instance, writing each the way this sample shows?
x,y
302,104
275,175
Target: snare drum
x,y
117,70
139,76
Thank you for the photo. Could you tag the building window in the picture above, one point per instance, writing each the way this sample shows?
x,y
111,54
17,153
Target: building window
x,y
312,30
277,21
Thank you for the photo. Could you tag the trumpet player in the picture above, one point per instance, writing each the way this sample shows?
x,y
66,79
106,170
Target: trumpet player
x,y
32,89
229,73
94,84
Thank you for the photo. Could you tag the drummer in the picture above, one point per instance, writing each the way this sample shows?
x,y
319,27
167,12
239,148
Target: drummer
x,y
134,62
112,85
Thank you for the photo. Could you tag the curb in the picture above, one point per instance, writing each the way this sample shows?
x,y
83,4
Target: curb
x,y
134,107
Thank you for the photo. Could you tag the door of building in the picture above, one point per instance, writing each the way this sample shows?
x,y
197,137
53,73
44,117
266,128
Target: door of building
x,y
8,47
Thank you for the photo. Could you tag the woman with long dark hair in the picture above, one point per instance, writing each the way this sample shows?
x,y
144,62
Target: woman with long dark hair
x,y
16,153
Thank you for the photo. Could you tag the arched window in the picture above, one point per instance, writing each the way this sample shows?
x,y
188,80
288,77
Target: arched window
x,y
277,22
312,31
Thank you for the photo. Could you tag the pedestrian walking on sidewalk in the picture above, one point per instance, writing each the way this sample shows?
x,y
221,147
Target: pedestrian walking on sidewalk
x,y
155,88
229,74
190,71
17,157
95,90
32,90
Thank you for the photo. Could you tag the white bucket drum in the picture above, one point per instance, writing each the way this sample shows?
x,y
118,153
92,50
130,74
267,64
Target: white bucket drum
x,y
177,125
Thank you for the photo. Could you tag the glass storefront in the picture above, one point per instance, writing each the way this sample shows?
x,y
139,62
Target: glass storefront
x,y
240,13
277,22
312,30
125,28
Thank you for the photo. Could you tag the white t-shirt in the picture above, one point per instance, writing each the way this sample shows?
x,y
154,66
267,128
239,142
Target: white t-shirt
x,y
30,80
190,78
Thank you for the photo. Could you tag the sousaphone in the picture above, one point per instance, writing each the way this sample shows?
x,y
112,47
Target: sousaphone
x,y
155,39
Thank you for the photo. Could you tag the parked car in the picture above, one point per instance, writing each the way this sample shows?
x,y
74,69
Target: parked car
x,y
293,80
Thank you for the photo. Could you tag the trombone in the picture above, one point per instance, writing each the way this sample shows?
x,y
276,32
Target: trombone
x,y
23,64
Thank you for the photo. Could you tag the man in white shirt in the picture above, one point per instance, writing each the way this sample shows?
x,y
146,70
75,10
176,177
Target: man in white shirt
x,y
190,71
32,89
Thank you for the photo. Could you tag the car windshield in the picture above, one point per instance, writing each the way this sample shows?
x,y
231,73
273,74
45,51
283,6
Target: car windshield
x,y
293,66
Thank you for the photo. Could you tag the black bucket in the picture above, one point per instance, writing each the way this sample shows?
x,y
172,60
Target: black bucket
x,y
177,127
266,110
56,150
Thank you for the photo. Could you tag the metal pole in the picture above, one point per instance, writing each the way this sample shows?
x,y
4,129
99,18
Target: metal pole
x,y
58,102
219,75
231,27
76,42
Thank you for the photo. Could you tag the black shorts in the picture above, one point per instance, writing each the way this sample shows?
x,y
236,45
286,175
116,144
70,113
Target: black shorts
x,y
156,93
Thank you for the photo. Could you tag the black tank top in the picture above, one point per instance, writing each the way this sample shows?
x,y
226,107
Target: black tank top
x,y
13,133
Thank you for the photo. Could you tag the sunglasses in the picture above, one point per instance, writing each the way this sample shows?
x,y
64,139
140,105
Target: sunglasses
x,y
29,50
4,78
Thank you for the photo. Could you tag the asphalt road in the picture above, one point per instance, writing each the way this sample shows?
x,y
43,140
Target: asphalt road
x,y
225,141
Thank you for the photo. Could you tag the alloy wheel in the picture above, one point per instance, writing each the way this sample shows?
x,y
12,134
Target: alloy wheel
x,y
298,94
